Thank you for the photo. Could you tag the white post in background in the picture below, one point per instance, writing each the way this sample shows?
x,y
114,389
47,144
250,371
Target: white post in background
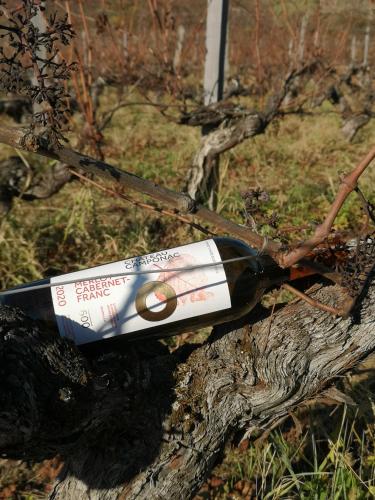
x,y
226,61
214,79
366,43
216,41
179,46
291,52
125,46
366,46
353,51
204,176
39,21
297,59
302,36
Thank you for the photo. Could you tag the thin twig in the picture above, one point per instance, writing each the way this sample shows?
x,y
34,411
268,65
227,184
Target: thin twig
x,y
108,115
140,204
257,50
348,184
367,207
318,305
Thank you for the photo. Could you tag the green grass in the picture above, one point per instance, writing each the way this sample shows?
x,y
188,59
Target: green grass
x,y
310,465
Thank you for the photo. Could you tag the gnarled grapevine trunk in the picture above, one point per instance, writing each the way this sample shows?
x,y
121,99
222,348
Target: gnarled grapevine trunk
x,y
143,423
18,178
203,177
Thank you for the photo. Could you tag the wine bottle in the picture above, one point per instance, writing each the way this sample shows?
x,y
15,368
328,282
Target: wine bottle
x,y
99,304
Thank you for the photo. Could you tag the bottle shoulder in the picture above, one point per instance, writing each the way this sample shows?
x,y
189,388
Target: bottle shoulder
x,y
261,267
235,246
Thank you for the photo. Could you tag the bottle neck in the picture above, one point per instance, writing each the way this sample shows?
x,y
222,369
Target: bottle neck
x,y
271,273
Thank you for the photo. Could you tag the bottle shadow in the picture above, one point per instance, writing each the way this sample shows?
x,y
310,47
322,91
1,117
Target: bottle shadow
x,y
133,395
102,413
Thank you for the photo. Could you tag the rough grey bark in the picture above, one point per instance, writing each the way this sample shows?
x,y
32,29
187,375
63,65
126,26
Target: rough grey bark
x,y
17,179
138,422
351,92
334,95
244,378
228,125
353,121
42,378
353,124
203,174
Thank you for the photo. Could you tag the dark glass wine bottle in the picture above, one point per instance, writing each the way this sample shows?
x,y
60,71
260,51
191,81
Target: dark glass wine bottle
x,y
101,305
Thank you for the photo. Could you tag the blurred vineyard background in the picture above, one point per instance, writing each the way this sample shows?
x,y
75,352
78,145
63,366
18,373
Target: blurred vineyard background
x,y
140,72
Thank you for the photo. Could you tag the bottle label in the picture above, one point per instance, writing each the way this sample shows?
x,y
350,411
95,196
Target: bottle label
x,y
96,308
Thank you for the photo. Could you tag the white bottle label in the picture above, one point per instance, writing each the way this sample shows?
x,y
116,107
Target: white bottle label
x,y
95,309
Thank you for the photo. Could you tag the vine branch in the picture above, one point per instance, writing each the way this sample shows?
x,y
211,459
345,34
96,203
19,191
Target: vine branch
x,y
348,184
183,205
